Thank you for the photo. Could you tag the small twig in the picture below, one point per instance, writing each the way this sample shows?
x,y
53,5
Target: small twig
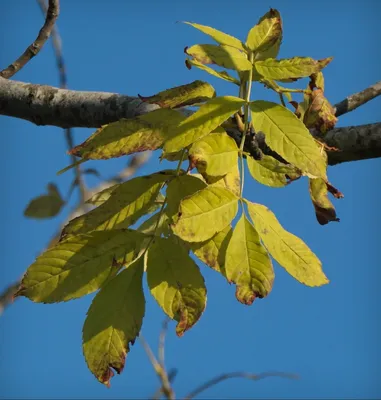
x,y
357,99
224,377
36,46
161,349
57,47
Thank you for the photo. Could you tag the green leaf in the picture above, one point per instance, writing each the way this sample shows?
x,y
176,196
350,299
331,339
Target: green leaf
x,y
230,181
223,56
266,33
205,213
287,249
218,36
157,224
288,137
215,154
213,251
294,68
248,264
176,283
219,74
127,203
269,171
99,198
207,118
181,96
128,136
324,209
79,265
113,322
45,206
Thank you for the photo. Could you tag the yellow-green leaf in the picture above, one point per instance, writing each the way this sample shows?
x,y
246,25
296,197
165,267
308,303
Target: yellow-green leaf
x,y
215,154
45,206
288,137
213,251
248,264
266,33
218,36
176,283
324,209
294,68
79,265
126,204
99,198
181,96
223,56
205,213
207,118
219,74
230,181
128,136
113,322
287,249
269,171
157,224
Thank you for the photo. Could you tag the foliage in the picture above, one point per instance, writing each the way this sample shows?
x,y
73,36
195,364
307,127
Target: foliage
x,y
192,211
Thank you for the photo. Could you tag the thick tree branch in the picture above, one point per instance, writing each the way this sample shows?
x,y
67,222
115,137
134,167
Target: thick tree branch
x,y
36,46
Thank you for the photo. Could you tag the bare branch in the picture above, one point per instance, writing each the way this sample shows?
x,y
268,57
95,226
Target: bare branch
x,y
224,377
36,46
358,99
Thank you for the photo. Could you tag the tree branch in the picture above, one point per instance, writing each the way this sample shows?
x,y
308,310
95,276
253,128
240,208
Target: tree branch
x,y
36,46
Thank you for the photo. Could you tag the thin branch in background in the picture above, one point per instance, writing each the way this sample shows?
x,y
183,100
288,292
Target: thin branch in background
x,y
161,350
57,47
223,377
357,99
36,46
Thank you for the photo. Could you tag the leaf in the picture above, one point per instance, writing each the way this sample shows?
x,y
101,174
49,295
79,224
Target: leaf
x,y
45,206
215,154
288,137
127,203
317,81
99,198
269,171
181,96
218,36
219,74
287,249
248,264
128,136
223,56
266,33
113,322
79,265
294,68
324,209
157,224
213,251
205,213
176,283
207,118
230,181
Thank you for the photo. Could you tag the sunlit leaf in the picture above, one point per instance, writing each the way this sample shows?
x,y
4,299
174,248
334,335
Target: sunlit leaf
x,y
223,56
176,283
99,198
127,203
207,118
266,33
219,74
230,181
324,209
113,322
79,265
248,264
181,96
295,68
157,224
215,154
45,206
287,249
205,213
128,136
288,137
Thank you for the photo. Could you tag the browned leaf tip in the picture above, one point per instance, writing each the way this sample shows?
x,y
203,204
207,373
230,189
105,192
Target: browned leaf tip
x,y
247,298
334,191
325,215
188,64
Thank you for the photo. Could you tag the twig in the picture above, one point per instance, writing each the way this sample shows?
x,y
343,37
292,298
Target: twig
x,y
57,47
161,349
36,46
224,377
358,99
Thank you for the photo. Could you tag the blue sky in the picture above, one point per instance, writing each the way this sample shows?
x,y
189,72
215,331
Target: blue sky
x,y
328,335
